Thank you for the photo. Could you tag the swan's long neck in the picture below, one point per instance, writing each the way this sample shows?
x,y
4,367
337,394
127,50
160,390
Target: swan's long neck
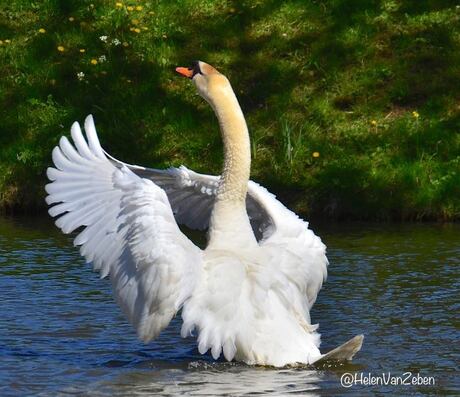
x,y
237,151
229,215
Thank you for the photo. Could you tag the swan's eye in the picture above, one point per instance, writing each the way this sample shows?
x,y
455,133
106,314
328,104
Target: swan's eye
x,y
195,68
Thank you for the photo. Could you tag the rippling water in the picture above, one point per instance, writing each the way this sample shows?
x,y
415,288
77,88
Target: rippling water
x,y
62,334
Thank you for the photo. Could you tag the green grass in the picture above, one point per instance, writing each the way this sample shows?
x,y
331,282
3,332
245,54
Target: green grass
x,y
338,78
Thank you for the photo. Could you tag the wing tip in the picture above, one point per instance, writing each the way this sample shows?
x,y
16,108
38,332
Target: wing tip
x,y
89,120
75,126
49,199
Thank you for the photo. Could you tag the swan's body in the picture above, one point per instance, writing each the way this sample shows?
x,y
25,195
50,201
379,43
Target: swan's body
x,y
247,295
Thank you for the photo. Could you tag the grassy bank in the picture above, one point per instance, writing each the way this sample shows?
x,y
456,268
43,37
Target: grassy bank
x,y
353,106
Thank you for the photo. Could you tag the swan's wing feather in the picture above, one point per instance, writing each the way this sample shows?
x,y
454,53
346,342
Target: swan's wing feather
x,y
190,194
300,254
129,231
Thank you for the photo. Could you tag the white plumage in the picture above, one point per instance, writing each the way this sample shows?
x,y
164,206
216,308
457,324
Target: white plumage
x,y
130,231
247,295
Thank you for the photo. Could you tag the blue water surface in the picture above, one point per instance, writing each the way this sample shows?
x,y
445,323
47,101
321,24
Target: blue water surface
x,y
61,333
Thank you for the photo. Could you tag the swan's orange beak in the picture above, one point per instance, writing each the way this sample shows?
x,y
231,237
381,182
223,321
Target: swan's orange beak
x,y
185,72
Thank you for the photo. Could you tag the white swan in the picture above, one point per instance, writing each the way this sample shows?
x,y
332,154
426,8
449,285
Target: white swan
x,y
248,294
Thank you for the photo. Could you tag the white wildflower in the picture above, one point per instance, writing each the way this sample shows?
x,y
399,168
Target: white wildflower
x,y
102,58
116,42
103,38
81,76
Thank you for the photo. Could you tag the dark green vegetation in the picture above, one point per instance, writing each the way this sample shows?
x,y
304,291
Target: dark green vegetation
x,y
353,105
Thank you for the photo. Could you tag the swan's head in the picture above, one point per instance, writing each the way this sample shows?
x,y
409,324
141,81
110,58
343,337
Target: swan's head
x,y
208,81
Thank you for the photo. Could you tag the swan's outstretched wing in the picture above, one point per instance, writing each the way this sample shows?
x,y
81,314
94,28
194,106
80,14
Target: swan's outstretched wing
x,y
300,254
192,197
129,231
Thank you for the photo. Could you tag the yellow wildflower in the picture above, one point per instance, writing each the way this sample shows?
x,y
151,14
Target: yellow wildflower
x,y
71,19
315,154
415,114
137,30
93,61
139,8
82,50
60,48
130,8
135,21
374,123
41,30
118,5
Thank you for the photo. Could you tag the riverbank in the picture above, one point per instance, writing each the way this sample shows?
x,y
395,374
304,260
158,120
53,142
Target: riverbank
x,y
353,110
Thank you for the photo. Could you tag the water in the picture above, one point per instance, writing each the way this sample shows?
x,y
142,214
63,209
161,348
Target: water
x,y
62,334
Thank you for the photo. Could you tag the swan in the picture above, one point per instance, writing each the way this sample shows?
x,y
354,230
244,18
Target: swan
x,y
248,294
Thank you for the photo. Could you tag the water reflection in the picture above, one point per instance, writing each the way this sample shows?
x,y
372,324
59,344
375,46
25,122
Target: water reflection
x,y
215,380
397,284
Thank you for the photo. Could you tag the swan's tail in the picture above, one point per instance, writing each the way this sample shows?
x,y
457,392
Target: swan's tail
x,y
344,352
